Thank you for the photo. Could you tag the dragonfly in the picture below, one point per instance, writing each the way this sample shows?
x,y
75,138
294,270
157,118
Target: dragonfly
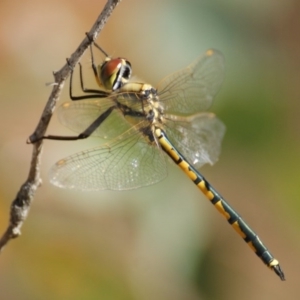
x,y
141,126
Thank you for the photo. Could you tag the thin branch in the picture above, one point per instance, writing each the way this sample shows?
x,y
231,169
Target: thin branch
x,y
21,204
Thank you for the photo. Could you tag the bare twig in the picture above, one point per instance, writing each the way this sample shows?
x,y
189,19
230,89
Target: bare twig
x,y
21,205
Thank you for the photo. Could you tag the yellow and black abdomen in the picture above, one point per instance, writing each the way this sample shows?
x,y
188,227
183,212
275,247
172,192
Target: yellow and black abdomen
x,y
233,218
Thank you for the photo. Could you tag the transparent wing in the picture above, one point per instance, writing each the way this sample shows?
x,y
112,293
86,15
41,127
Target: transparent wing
x,y
197,137
192,89
129,161
79,115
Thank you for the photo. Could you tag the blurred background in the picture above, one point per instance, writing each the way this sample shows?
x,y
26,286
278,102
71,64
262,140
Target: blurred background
x,y
164,241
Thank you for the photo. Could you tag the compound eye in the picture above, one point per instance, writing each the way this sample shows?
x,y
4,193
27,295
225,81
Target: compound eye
x,y
109,72
114,73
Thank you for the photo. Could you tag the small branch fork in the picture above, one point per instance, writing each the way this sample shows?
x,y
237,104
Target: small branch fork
x,y
21,204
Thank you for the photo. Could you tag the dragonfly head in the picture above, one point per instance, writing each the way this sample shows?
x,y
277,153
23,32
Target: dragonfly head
x,y
114,73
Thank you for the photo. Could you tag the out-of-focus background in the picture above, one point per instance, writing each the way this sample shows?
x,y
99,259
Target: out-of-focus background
x,y
165,241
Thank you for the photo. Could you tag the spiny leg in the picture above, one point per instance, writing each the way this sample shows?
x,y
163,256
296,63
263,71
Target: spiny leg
x,y
97,93
94,67
85,134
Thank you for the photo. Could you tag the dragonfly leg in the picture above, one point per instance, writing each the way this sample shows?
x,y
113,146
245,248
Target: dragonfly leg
x,y
94,67
94,93
83,135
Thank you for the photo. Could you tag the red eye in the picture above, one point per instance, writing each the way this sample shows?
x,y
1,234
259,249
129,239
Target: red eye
x,y
114,73
111,67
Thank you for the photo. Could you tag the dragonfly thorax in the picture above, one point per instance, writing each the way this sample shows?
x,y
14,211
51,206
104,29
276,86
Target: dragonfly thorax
x,y
154,109
139,101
